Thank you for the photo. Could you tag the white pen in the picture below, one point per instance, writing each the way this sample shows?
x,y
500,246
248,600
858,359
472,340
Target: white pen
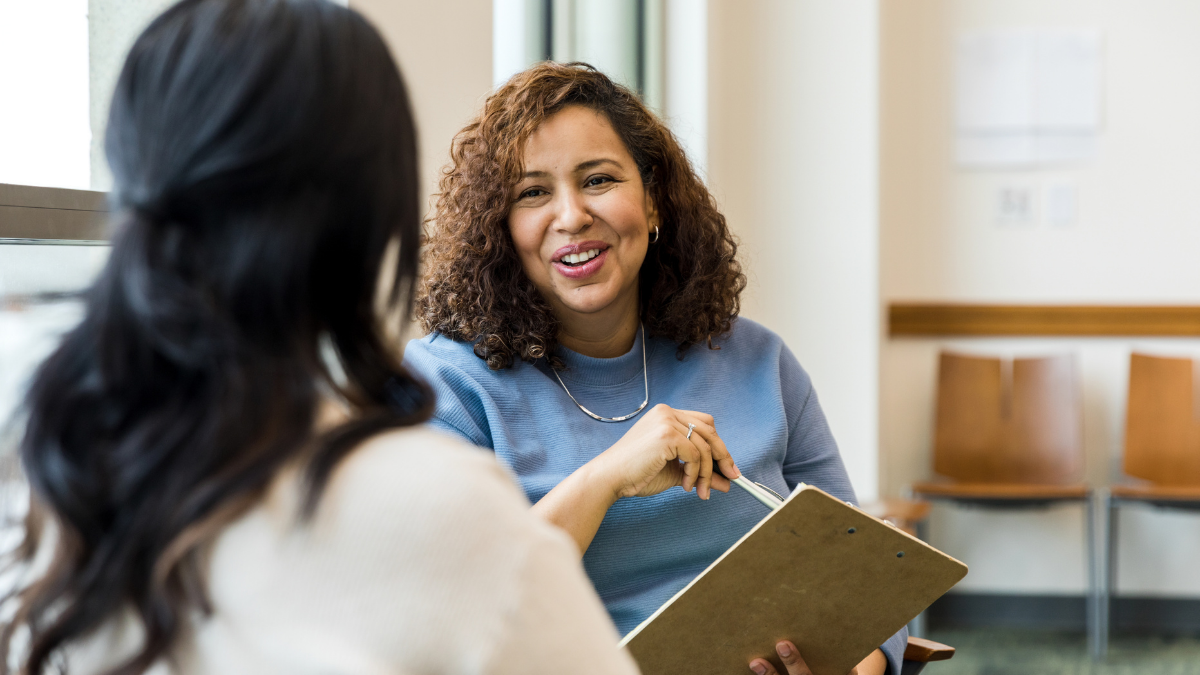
x,y
759,492
768,499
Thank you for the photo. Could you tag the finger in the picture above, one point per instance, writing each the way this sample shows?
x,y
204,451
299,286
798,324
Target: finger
x,y
791,658
763,667
710,478
720,454
704,480
698,417
722,457
720,483
690,456
687,451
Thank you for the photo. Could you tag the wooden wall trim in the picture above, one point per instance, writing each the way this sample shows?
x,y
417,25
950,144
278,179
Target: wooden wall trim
x,y
41,215
938,319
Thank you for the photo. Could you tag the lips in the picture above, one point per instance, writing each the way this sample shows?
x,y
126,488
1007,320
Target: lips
x,y
575,251
579,261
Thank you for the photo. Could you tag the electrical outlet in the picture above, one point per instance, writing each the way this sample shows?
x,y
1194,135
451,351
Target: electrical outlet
x,y
1016,206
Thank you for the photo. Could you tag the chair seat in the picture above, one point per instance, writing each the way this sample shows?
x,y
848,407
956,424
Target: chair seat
x,y
924,651
904,513
1001,491
1153,492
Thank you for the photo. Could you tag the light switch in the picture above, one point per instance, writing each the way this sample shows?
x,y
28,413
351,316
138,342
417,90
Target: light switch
x,y
1061,205
1016,206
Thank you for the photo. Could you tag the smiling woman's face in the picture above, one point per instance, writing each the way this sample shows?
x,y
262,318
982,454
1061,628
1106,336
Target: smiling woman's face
x,y
581,218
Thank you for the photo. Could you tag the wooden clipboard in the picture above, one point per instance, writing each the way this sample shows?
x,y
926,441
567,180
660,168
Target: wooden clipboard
x,y
819,572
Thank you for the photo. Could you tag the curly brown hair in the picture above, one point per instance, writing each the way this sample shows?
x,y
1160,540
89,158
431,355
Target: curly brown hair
x,y
474,288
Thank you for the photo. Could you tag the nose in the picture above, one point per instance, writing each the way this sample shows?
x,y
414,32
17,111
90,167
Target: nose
x,y
572,216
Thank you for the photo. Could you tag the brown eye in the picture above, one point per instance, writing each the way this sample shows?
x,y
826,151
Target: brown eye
x,y
532,192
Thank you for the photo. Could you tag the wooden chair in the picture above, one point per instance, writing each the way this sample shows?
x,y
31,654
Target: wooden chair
x,y
1010,435
920,652
1162,448
907,514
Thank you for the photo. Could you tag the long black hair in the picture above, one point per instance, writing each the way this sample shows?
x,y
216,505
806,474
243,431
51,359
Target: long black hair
x,y
264,159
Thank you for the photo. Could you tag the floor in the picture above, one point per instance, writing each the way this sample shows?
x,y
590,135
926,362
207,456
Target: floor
x,y
1025,652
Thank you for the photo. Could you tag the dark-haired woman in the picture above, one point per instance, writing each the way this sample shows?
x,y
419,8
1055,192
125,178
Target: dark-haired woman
x,y
581,292
226,458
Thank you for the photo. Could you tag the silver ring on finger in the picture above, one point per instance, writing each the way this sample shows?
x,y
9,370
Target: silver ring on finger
x,y
689,434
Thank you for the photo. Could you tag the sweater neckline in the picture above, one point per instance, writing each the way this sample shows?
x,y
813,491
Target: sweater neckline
x,y
589,370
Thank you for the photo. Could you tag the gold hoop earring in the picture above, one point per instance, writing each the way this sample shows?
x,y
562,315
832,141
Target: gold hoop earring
x,y
655,239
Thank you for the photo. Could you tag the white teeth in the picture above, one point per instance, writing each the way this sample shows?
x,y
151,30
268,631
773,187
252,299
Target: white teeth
x,y
576,258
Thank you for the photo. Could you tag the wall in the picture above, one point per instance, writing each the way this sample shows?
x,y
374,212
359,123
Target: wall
x,y
444,50
1135,240
792,158
113,25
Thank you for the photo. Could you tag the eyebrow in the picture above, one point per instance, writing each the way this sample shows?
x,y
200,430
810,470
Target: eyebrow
x,y
590,164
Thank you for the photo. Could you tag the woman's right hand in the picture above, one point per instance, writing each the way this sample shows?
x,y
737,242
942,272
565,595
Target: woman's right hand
x,y
656,455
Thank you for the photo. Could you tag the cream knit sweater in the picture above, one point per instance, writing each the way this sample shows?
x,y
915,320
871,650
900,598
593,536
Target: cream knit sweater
x,y
423,558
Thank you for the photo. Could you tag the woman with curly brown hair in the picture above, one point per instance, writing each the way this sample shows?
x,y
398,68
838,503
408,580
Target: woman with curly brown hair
x,y
581,294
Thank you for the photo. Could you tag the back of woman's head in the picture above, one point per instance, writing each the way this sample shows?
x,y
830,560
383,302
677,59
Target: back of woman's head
x,y
263,159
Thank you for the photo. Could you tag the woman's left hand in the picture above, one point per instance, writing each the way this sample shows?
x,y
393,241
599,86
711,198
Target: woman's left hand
x,y
874,664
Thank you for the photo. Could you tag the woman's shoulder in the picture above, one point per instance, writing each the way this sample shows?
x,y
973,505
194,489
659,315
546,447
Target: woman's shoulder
x,y
406,497
752,347
438,345
413,484
452,362
436,349
419,543
751,334
749,340
434,468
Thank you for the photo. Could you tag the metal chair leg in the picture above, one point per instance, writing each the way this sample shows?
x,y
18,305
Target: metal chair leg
x,y
1108,587
1092,612
918,626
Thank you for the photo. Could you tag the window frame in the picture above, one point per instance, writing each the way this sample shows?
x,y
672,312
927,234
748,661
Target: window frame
x,y
45,215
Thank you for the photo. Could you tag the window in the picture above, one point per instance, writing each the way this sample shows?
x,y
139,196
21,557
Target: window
x,y
622,38
59,60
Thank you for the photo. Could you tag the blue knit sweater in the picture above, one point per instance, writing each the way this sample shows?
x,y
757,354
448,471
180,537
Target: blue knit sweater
x,y
647,548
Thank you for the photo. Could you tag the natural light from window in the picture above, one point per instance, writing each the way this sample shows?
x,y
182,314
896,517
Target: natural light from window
x,y
45,133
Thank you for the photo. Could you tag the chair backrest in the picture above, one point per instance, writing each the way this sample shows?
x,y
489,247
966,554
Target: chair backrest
x,y
1008,422
1162,434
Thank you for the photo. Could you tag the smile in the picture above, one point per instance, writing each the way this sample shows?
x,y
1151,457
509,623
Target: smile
x,y
582,260
579,258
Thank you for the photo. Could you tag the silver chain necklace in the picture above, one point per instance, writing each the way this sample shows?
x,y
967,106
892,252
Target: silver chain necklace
x,y
622,418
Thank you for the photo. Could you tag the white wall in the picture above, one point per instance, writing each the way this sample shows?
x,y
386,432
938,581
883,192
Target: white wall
x,y
113,25
1136,240
793,92
445,53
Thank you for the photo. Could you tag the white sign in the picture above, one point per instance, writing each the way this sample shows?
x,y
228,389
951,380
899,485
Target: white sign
x,y
1027,96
